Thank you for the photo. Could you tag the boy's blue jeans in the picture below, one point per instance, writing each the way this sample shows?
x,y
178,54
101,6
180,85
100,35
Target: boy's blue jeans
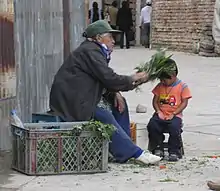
x,y
156,127
121,145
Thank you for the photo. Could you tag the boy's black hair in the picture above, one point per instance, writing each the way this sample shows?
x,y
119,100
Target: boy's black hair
x,y
165,75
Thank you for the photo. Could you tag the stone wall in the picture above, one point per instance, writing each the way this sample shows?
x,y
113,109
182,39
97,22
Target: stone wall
x,y
181,24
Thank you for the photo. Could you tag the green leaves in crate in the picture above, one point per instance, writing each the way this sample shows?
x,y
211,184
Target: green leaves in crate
x,y
157,65
102,130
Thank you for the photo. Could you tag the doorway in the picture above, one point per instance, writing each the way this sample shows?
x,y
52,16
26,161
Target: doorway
x,y
132,5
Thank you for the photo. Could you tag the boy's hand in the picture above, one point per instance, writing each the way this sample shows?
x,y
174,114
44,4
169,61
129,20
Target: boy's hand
x,y
170,117
161,115
119,102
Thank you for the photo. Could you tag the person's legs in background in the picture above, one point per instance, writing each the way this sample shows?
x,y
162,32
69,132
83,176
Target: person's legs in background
x,y
146,35
121,146
174,142
127,39
114,35
122,39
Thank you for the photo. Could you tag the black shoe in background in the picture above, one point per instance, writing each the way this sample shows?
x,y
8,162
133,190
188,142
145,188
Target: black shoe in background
x,y
173,158
159,153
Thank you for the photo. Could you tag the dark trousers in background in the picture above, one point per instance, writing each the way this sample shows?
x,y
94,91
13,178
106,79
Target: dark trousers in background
x,y
146,35
126,33
114,35
156,127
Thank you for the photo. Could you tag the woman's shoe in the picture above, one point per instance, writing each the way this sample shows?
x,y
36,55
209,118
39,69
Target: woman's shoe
x,y
147,158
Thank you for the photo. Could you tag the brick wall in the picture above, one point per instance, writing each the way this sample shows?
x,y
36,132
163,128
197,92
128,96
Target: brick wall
x,y
181,24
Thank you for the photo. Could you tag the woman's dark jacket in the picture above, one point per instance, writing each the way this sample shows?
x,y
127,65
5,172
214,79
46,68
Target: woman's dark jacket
x,y
79,83
124,19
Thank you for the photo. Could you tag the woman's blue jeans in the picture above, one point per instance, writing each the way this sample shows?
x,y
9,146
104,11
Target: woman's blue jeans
x,y
121,145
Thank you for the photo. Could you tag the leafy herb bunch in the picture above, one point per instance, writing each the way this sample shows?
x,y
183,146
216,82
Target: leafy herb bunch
x,y
157,65
102,130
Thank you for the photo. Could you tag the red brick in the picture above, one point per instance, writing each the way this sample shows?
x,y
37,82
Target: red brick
x,y
180,24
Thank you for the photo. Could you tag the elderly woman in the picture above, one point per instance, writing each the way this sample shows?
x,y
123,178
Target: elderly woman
x,y
85,78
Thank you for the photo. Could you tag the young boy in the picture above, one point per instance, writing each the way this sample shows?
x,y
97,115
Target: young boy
x,y
171,97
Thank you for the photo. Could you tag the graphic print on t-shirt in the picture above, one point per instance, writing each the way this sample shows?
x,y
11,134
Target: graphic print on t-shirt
x,y
167,99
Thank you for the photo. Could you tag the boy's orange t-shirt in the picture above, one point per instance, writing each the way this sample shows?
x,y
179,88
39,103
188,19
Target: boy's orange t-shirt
x,y
170,97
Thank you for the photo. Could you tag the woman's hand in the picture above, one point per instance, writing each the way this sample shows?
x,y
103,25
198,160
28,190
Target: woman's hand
x,y
144,79
140,78
119,102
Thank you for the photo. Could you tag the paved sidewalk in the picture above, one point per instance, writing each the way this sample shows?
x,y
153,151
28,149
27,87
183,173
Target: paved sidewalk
x,y
201,137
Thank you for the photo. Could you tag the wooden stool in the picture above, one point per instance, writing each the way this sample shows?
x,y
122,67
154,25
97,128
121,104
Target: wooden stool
x,y
133,129
165,143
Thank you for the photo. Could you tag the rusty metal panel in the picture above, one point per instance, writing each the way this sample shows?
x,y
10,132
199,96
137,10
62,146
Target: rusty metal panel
x,y
7,71
7,62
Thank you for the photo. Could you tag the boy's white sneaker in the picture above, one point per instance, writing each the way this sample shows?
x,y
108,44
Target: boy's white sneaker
x,y
147,158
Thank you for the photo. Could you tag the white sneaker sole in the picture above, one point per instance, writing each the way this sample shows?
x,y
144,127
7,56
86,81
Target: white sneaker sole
x,y
150,163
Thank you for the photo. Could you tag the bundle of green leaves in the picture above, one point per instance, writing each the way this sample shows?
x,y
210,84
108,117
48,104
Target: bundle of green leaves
x,y
104,131
158,64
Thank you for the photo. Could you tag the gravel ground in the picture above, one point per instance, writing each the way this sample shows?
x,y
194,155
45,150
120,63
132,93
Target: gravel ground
x,y
201,138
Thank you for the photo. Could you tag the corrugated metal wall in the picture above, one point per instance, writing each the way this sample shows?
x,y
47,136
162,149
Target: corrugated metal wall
x,y
39,50
77,22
